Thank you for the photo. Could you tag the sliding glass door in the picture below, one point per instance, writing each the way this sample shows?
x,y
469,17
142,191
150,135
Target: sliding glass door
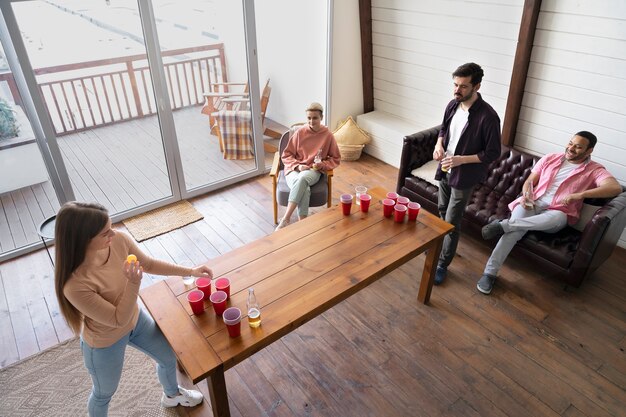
x,y
121,90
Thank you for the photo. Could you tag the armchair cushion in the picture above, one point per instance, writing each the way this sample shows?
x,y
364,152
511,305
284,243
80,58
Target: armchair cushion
x,y
319,191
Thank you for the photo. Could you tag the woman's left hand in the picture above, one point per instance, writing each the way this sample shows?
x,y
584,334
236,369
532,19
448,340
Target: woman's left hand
x,y
202,271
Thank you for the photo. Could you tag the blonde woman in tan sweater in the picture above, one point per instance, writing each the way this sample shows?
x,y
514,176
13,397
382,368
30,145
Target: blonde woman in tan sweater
x,y
97,291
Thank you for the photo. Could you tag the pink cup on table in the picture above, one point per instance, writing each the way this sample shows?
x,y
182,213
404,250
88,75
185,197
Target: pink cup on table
x,y
204,285
223,284
403,200
196,301
365,202
232,319
218,299
413,210
346,203
399,211
392,196
388,204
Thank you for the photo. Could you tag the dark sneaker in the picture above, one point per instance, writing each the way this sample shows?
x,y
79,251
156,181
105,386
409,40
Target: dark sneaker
x,y
485,283
493,229
440,274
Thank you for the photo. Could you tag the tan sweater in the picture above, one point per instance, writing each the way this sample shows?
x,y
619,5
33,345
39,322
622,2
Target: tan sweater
x,y
106,298
304,145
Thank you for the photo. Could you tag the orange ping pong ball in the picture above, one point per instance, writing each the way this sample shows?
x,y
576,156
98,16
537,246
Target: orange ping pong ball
x,y
131,258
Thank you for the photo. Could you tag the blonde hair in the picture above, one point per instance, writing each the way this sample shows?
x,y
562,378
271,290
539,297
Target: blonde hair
x,y
316,107
76,224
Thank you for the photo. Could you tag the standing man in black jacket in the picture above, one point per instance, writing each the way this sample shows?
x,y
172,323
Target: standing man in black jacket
x,y
468,142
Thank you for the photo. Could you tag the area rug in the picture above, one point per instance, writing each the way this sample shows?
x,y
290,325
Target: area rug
x,y
56,383
162,220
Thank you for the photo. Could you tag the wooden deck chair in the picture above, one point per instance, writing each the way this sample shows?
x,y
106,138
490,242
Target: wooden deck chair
x,y
214,100
244,104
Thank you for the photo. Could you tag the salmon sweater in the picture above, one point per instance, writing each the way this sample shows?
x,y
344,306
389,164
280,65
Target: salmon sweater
x,y
106,298
304,145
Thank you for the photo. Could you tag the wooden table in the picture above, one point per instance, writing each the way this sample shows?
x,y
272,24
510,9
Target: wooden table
x,y
297,273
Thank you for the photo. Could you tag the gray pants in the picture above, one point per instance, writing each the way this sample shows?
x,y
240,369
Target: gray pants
x,y
451,206
300,184
521,221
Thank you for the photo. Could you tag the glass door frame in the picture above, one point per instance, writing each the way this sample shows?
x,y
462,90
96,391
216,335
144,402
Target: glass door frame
x,y
37,113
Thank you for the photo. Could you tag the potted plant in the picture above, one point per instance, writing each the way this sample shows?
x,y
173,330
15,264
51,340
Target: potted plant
x,y
8,122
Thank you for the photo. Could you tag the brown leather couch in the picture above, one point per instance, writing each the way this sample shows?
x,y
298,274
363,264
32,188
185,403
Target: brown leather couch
x,y
569,255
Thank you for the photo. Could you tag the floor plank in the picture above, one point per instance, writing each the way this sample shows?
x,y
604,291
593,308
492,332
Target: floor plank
x,y
533,347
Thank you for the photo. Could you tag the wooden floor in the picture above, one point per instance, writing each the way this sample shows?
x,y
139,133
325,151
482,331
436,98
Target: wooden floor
x,y
101,163
532,348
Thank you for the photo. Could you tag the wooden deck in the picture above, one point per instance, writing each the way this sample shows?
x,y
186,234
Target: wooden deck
x,y
531,348
121,166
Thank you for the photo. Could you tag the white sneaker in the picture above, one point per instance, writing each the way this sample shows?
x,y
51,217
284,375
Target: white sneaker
x,y
186,398
283,223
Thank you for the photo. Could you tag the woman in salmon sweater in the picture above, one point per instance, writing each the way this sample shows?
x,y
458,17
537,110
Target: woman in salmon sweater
x,y
97,289
311,150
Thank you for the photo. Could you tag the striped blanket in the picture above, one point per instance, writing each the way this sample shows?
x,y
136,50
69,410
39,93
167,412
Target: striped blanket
x,y
236,131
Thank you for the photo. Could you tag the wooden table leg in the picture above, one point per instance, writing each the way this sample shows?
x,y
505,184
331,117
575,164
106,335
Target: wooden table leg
x,y
428,275
217,391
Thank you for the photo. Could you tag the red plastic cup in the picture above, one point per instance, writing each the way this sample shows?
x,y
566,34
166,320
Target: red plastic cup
x,y
196,301
346,203
365,202
223,284
403,200
399,211
204,285
392,196
232,319
388,204
413,210
218,299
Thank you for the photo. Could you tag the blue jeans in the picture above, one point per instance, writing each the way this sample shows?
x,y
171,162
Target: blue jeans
x,y
300,184
105,364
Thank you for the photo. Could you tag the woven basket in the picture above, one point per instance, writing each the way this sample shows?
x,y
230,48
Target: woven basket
x,y
350,152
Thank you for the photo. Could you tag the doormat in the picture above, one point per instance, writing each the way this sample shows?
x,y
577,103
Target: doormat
x,y
162,220
55,383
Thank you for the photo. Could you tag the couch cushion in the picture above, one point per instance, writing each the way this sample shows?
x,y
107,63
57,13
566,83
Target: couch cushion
x,y
423,188
427,172
559,248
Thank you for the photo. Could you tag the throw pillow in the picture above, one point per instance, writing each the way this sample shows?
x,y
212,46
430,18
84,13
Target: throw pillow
x,y
427,172
348,133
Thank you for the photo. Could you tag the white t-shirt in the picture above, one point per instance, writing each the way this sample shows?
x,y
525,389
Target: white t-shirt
x,y
566,169
459,120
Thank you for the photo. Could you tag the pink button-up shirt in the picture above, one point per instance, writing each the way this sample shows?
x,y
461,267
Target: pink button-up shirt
x,y
584,177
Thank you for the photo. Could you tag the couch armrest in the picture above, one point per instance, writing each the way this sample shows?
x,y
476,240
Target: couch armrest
x,y
599,238
417,149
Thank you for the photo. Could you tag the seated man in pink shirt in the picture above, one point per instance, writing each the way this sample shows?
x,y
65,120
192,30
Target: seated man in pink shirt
x,y
311,150
552,197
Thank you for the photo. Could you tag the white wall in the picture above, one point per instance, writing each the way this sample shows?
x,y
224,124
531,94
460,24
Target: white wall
x,y
577,81
346,97
292,39
229,27
417,44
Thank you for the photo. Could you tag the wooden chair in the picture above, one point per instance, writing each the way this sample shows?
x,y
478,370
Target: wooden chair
x,y
321,192
216,100
243,104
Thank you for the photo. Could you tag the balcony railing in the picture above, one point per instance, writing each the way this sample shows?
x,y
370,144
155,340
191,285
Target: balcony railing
x,y
84,95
